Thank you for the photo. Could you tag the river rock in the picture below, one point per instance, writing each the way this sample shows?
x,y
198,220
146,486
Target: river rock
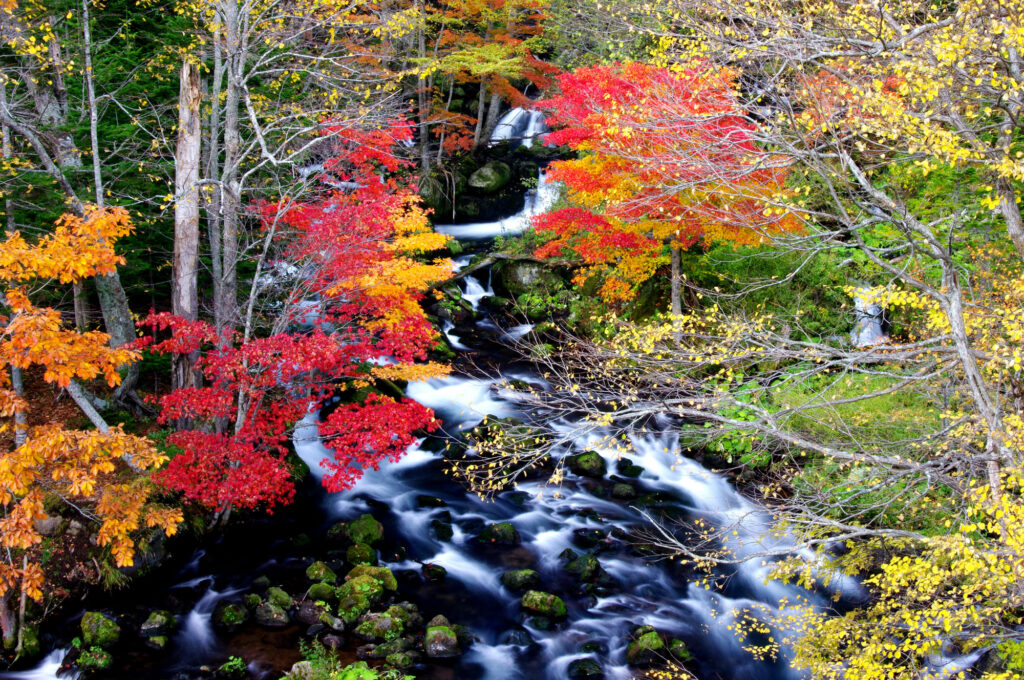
x,y
229,616
517,277
261,583
270,615
679,650
587,464
402,644
491,177
587,568
588,538
581,669
252,600
402,660
94,659
308,612
544,604
361,553
323,592
434,572
363,530
520,579
515,636
383,626
425,501
382,575
502,533
280,598
628,468
644,649
157,642
48,526
301,670
440,641
99,630
332,641
318,571
442,530
158,622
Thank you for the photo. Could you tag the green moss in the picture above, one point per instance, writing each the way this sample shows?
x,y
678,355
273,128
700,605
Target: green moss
x,y
95,659
323,592
360,553
382,575
520,579
544,604
278,597
99,630
365,530
318,571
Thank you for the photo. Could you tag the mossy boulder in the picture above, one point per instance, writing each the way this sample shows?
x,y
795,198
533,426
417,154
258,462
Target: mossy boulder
x,y
99,630
502,533
323,592
492,177
157,642
628,468
94,659
365,530
30,647
383,626
318,571
434,572
158,622
440,640
587,464
280,598
270,615
381,574
520,579
229,616
425,501
252,600
544,604
516,277
586,568
679,650
442,530
401,660
645,648
361,553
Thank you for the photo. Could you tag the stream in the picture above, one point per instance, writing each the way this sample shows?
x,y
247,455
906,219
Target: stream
x,y
583,517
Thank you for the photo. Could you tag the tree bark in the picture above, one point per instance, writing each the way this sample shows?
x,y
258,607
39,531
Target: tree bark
x,y
478,132
493,117
226,300
677,282
184,284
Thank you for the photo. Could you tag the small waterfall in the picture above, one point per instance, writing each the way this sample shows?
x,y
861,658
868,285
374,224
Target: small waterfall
x,y
537,201
48,669
474,291
453,340
520,125
870,323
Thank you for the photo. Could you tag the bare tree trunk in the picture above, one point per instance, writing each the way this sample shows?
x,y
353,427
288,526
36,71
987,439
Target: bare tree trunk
x,y
8,622
226,303
20,420
213,225
423,109
493,117
184,284
677,281
1011,213
481,102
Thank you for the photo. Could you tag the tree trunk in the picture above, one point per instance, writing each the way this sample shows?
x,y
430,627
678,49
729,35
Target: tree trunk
x,y
184,284
213,208
422,104
226,301
493,117
1011,213
677,281
478,133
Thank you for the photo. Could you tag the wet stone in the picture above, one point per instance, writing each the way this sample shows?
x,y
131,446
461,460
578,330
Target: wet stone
x,y
318,571
270,615
587,538
425,501
520,579
158,622
279,597
308,613
361,553
587,464
99,630
434,572
502,533
544,604
623,491
582,669
229,616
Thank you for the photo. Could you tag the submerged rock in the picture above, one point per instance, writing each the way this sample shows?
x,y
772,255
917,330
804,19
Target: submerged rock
x,y
520,579
585,668
544,604
587,464
99,630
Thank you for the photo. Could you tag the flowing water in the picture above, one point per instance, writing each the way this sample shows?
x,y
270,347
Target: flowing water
x,y
578,515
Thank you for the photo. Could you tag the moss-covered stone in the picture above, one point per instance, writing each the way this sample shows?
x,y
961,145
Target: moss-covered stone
x,y
381,574
30,647
365,530
361,553
645,647
279,597
400,660
252,600
99,630
94,660
544,604
679,650
434,572
229,616
520,579
442,530
351,606
381,626
502,533
323,592
491,177
587,464
271,615
585,669
425,501
318,571
157,642
441,642
159,622
585,567
261,583
628,468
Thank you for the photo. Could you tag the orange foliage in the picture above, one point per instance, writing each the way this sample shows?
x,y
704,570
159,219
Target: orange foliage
x,y
70,463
